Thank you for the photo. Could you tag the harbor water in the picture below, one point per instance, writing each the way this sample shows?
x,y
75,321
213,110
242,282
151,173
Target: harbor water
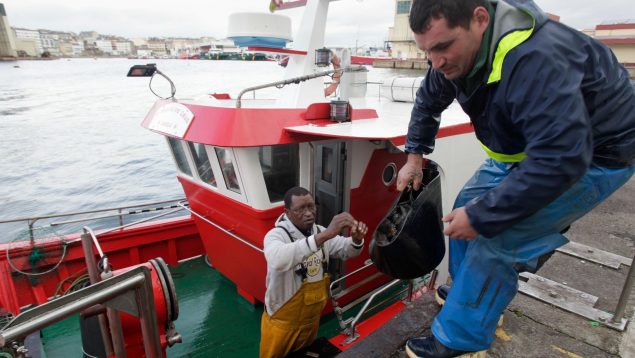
x,y
72,138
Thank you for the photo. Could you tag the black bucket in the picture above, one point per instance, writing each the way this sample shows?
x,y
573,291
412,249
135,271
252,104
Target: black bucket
x,y
409,242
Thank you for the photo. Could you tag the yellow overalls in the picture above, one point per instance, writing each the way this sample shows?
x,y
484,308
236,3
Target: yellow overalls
x,y
295,325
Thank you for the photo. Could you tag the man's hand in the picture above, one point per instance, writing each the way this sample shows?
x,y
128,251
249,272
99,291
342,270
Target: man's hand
x,y
338,223
459,227
358,232
410,172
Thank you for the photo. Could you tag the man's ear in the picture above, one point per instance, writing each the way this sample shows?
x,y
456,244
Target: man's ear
x,y
481,18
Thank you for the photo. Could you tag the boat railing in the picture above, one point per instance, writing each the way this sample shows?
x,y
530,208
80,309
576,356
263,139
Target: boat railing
x,y
348,326
120,213
219,227
296,80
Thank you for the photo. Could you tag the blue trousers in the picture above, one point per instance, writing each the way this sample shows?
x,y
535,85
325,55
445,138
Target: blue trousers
x,y
484,269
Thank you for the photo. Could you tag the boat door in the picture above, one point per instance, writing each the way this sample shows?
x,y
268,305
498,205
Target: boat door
x,y
329,174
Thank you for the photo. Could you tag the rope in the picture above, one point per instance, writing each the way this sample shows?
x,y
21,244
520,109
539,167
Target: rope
x,y
64,244
76,281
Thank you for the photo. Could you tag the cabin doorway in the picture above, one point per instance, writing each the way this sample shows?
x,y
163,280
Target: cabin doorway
x,y
329,171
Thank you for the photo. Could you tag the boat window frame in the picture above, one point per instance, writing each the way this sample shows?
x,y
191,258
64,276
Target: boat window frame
x,y
189,160
298,171
211,160
236,171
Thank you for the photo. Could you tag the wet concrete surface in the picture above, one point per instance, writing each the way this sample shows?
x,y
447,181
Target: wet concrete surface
x,y
535,329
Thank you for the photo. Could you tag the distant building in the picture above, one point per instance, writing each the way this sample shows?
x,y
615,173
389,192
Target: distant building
x,y
89,36
70,48
158,47
50,42
28,41
400,38
105,46
7,39
620,37
123,47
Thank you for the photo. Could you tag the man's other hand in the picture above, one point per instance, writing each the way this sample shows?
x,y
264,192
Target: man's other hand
x,y
338,223
459,227
358,232
411,172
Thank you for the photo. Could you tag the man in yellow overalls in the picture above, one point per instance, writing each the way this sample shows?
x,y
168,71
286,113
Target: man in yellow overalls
x,y
297,252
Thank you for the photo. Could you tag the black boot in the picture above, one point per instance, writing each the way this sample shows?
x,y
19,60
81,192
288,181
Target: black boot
x,y
430,347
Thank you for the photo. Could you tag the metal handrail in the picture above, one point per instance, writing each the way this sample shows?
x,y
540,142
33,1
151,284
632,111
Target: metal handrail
x,y
368,263
35,218
93,235
137,280
280,84
296,80
32,220
139,221
223,229
370,299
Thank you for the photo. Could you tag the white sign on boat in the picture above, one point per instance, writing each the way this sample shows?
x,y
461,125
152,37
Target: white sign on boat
x,y
173,119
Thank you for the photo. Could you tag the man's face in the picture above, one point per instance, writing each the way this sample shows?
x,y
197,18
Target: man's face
x,y
302,212
452,51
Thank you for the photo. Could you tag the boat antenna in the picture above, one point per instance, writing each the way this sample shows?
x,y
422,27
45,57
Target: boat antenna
x,y
150,70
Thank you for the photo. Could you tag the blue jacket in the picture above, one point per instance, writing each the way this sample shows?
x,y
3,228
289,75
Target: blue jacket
x,y
553,100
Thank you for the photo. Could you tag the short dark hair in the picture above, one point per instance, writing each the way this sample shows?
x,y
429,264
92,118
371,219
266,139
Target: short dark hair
x,y
295,191
456,12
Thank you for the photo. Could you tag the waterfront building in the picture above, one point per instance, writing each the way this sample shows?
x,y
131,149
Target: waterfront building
x,y
7,40
50,42
105,46
158,47
70,48
620,37
123,47
28,41
400,38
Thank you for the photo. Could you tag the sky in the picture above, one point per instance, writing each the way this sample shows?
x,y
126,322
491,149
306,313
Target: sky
x,y
350,22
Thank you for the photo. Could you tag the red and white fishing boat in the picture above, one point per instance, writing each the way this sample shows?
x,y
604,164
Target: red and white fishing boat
x,y
236,157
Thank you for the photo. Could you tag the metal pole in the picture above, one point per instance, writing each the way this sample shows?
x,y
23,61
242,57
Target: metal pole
x,y
91,267
51,316
148,318
370,299
120,217
626,291
433,279
114,321
116,332
411,285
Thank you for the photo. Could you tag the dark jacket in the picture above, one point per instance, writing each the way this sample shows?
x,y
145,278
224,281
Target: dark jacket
x,y
552,96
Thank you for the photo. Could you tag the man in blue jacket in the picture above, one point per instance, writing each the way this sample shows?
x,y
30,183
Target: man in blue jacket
x,y
554,111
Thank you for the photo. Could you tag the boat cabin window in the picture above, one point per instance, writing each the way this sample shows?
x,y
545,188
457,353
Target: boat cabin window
x,y
227,166
280,166
203,165
179,156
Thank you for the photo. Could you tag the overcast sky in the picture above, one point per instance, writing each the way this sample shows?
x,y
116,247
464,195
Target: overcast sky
x,y
364,21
